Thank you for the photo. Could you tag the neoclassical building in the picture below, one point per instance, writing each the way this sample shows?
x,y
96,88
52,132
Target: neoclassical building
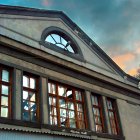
x,y
57,83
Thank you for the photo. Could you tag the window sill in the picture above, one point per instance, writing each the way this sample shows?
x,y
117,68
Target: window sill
x,y
31,127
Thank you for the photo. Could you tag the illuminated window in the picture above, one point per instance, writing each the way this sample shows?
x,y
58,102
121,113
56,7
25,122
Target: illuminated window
x,y
112,115
97,111
60,41
5,92
66,106
29,98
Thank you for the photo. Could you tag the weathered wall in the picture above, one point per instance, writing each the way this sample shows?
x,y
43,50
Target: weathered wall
x,y
130,118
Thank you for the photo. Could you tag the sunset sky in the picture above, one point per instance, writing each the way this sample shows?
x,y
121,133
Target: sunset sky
x,y
113,24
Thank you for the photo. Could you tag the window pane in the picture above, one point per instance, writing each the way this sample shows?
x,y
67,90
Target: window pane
x,y
63,41
53,120
56,37
5,75
98,128
4,112
70,105
78,95
109,104
80,116
69,94
25,105
72,123
63,112
32,106
26,116
33,116
61,91
32,83
50,39
81,125
111,115
96,111
79,107
63,121
70,49
25,81
52,101
32,97
52,88
25,95
53,111
94,100
4,100
62,103
71,114
5,89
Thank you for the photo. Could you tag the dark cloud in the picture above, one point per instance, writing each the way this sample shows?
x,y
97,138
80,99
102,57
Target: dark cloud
x,y
112,24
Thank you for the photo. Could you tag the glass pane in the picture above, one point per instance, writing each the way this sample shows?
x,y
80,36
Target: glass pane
x,y
109,104
56,37
32,106
70,105
98,128
33,116
25,81
80,116
69,94
25,105
96,111
5,89
50,39
32,83
72,123
97,120
81,125
53,120
111,115
60,45
51,88
79,107
25,95
5,75
71,114
53,111
62,103
32,96
63,121
63,112
52,101
4,112
4,100
94,100
78,95
26,116
69,48
61,91
63,41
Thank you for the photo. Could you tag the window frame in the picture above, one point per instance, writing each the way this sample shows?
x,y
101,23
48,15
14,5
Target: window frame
x,y
115,113
36,91
101,109
74,101
9,84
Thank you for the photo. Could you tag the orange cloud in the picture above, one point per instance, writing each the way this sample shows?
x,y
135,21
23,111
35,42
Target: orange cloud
x,y
124,59
133,72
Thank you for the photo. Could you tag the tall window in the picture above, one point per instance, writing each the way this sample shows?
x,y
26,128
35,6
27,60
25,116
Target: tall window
x,y
112,115
97,111
66,106
5,92
29,98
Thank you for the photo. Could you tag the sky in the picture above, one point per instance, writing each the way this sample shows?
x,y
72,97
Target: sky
x,y
112,24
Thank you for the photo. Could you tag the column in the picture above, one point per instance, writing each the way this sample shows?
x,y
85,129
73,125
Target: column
x,y
90,118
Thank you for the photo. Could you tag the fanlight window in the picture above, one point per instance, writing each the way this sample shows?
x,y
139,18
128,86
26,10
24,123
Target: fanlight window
x,y
60,41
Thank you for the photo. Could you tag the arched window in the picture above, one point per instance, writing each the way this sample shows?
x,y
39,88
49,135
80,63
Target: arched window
x,y
59,40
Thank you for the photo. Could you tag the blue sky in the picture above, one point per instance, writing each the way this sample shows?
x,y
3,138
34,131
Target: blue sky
x,y
113,24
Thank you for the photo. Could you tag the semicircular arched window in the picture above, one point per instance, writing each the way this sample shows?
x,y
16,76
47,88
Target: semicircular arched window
x,y
60,41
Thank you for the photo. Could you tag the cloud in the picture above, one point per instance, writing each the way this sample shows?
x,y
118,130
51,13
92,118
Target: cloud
x,y
46,3
133,71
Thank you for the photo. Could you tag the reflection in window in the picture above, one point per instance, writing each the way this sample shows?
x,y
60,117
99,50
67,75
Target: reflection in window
x,y
112,116
97,111
29,103
66,106
60,42
5,92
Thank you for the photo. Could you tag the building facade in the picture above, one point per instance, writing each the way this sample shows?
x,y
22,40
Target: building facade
x,y
56,83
